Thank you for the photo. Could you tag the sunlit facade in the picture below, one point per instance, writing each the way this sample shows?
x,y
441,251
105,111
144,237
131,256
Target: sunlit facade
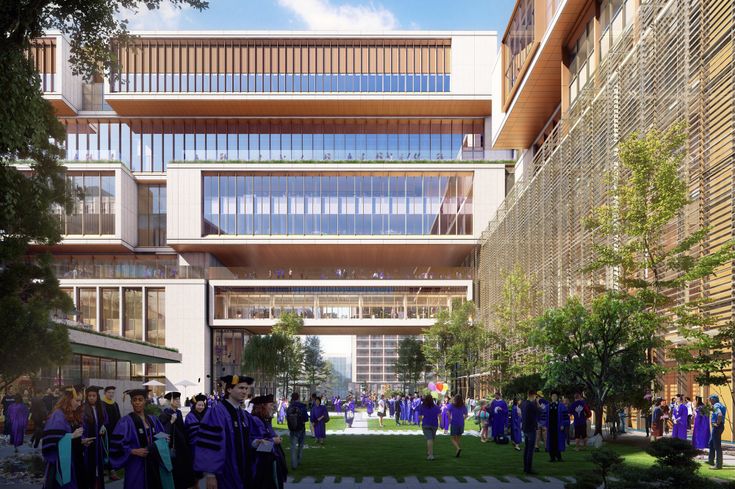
x,y
223,179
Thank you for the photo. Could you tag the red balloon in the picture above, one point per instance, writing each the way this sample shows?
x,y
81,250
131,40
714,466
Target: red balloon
x,y
439,386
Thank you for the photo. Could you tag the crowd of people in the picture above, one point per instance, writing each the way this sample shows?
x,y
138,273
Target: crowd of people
x,y
227,439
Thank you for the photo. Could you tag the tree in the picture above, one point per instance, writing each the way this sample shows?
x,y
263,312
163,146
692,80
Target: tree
x,y
260,359
314,362
509,335
411,362
455,341
602,348
290,351
30,131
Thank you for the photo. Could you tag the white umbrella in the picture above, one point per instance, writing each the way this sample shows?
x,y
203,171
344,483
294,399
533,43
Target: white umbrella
x,y
153,383
186,383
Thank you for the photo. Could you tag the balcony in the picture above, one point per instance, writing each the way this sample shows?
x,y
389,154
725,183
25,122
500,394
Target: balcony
x,y
59,85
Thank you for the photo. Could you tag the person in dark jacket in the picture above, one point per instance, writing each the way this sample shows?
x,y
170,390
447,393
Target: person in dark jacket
x,y
529,424
39,413
112,410
173,423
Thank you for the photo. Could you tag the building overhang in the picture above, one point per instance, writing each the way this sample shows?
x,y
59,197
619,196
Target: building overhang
x,y
87,342
539,91
61,105
335,326
310,105
333,251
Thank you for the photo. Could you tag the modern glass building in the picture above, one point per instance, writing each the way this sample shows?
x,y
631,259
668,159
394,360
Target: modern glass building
x,y
224,178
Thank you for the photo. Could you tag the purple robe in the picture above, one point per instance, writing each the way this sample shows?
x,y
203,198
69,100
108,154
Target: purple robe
x,y
18,416
350,407
516,431
281,412
94,454
222,446
701,431
55,428
140,472
415,410
369,406
444,423
320,427
268,468
392,407
499,410
191,422
679,419
338,406
578,410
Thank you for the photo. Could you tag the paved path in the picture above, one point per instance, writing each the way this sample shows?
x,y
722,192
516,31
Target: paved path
x,y
429,483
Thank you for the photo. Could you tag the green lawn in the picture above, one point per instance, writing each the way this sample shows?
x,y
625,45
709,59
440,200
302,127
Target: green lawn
x,y
400,456
336,423
390,424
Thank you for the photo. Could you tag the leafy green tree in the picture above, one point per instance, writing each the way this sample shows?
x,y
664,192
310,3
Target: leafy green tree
x,y
260,359
30,131
602,348
411,363
290,351
511,329
314,362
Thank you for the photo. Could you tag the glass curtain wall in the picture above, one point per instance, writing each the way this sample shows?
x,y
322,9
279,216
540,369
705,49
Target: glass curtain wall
x,y
337,204
148,145
152,215
93,210
284,65
156,316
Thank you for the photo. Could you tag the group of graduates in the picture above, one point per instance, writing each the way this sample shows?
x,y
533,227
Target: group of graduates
x,y
230,443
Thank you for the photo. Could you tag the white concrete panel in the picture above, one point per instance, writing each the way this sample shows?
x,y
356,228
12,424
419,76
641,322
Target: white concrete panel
x,y
463,70
498,115
184,210
488,194
187,331
126,205
485,53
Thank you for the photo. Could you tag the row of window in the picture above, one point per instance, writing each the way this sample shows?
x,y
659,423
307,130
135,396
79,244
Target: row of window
x,y
152,215
148,145
280,83
93,212
365,205
120,311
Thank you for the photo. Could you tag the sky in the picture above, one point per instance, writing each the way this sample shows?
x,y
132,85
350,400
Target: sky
x,y
329,15
319,15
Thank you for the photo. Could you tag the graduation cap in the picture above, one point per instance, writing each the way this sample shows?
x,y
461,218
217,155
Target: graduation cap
x,y
136,392
110,388
262,399
233,380
200,397
73,392
93,388
172,395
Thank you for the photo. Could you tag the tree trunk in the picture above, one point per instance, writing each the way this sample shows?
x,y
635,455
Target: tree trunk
x,y
598,419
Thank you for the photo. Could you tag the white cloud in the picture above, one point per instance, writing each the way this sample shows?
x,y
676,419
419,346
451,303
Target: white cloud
x,y
322,15
165,18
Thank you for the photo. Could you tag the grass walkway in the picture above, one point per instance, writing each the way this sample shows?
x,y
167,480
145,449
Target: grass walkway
x,y
390,425
401,456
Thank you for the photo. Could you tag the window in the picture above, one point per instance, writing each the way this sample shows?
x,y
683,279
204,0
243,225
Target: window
x,y
110,311
152,215
93,210
615,17
156,316
581,64
133,314
88,307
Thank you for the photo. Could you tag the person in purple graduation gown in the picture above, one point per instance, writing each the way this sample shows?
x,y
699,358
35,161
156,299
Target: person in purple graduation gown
x,y
701,431
17,415
499,413
349,411
679,415
61,447
557,423
268,467
192,422
369,405
133,446
579,410
516,431
319,417
444,424
338,405
221,451
282,407
94,420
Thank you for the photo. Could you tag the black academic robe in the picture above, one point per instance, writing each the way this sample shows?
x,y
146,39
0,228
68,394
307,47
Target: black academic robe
x,y
181,453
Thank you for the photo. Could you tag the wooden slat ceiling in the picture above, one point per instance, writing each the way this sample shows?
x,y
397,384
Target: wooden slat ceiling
x,y
537,100
168,105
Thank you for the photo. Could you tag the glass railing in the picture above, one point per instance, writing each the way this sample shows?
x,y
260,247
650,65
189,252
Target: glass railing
x,y
122,271
339,273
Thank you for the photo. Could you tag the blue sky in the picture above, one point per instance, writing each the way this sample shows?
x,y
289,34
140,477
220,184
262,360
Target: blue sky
x,y
332,15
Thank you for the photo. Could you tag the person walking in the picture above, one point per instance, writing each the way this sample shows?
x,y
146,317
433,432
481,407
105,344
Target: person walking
x,y
700,432
717,422
296,418
7,401
349,411
398,407
381,410
429,413
482,416
516,431
529,425
319,417
39,413
192,422
457,414
499,412
444,425
17,415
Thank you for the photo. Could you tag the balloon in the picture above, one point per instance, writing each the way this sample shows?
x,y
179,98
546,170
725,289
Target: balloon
x,y
445,388
435,394
439,386
432,386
